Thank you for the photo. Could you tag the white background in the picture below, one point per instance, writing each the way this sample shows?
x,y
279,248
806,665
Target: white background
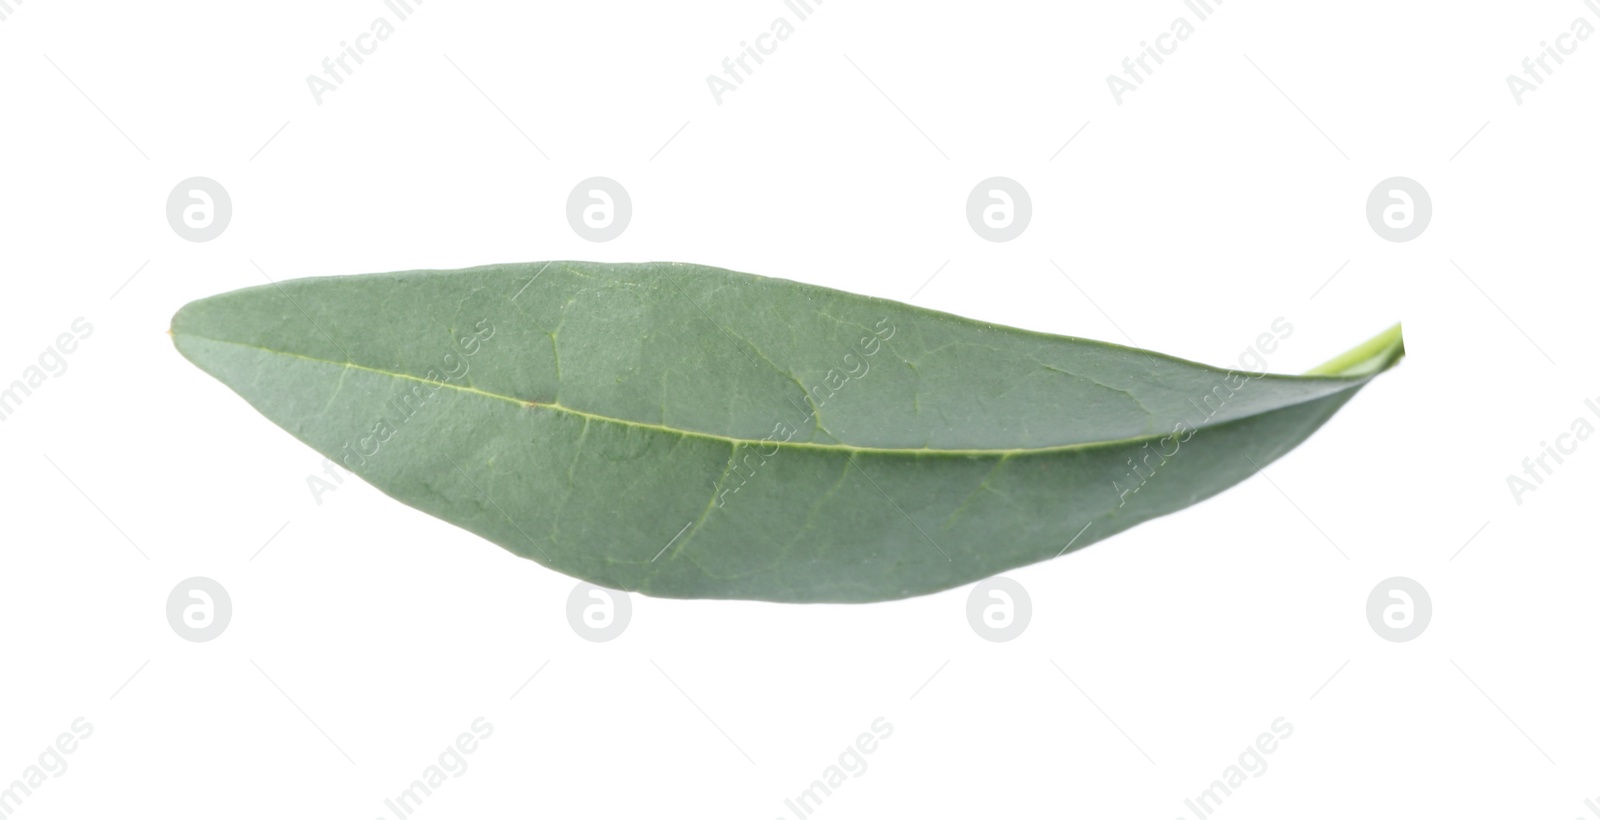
x,y
1225,192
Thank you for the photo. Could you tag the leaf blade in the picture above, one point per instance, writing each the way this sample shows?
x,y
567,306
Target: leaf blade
x,y
589,412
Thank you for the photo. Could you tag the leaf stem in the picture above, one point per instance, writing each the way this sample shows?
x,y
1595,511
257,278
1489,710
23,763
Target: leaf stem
x,y
1372,356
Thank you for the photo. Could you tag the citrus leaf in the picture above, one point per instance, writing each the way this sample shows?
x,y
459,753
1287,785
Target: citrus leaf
x,y
686,431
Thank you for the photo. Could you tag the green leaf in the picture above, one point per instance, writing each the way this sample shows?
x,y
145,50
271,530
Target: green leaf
x,y
692,432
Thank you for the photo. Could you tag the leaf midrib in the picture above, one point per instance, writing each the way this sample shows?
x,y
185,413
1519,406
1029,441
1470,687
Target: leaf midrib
x,y
531,404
